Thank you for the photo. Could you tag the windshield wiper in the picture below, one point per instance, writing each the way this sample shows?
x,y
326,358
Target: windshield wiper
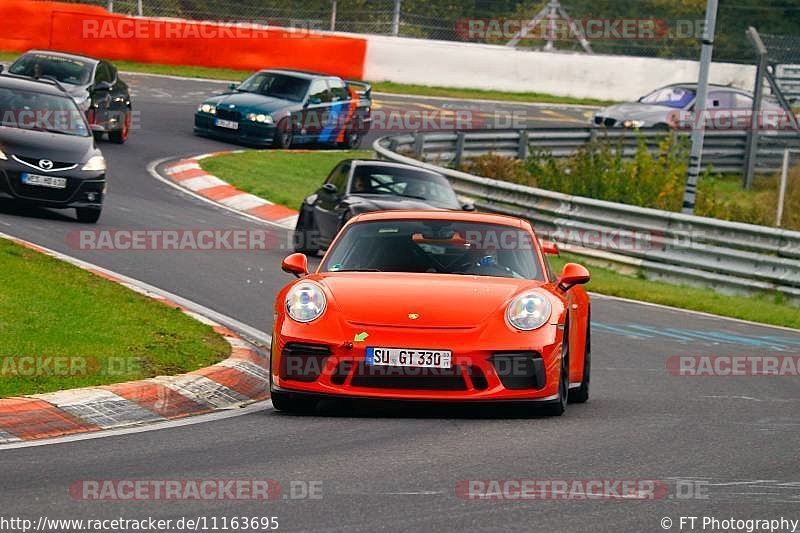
x,y
358,270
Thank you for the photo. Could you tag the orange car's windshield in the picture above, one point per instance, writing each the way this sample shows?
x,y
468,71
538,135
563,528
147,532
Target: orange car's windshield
x,y
435,247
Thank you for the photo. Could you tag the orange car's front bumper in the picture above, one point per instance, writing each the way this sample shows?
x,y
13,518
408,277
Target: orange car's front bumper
x,y
489,363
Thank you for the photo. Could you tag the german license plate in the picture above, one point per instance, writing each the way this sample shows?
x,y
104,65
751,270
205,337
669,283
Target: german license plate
x,y
409,357
44,181
228,124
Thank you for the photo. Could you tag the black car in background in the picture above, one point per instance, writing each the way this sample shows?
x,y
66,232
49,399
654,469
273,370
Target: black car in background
x,y
95,85
48,155
362,186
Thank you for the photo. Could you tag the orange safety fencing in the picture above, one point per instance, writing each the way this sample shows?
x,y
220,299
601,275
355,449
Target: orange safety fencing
x,y
91,30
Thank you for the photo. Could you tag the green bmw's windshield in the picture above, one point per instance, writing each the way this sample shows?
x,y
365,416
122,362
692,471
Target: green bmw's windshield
x,y
276,85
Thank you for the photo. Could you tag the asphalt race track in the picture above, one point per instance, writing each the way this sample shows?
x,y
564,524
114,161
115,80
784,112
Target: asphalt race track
x,y
396,468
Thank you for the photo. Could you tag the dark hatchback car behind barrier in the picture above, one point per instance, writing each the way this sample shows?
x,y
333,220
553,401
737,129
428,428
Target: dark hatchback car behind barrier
x,y
48,155
94,84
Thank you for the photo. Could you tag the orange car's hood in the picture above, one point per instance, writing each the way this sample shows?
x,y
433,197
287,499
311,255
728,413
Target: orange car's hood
x,y
441,301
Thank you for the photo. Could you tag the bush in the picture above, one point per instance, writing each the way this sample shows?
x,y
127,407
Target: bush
x,y
598,170
655,180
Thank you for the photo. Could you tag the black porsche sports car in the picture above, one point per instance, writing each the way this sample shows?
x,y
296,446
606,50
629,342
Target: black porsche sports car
x,y
95,85
48,155
362,186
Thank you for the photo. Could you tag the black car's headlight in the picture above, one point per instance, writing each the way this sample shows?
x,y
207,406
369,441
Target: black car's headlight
x,y
3,156
95,164
207,108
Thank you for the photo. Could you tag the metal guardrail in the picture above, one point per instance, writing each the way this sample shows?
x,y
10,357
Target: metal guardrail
x,y
729,256
724,151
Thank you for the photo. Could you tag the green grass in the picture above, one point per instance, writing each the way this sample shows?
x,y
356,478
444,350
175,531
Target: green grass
x,y
282,177
388,87
481,94
49,308
766,309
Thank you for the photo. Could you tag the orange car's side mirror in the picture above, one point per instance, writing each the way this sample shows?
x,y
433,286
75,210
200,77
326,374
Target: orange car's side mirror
x,y
296,264
573,274
550,248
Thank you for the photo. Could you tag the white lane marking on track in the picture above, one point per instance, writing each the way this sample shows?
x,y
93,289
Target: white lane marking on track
x,y
748,398
200,419
691,312
181,78
752,399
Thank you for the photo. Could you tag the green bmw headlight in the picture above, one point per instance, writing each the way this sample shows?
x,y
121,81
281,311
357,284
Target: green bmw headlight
x,y
261,118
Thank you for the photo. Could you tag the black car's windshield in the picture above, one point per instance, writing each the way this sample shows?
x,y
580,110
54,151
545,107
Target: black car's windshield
x,y
276,85
63,69
31,110
676,97
404,182
436,247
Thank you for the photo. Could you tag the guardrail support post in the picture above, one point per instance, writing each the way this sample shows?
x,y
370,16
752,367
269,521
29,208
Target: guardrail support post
x,y
459,156
419,145
523,150
782,191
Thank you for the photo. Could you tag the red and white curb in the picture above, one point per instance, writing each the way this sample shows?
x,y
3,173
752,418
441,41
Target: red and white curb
x,y
240,380
188,173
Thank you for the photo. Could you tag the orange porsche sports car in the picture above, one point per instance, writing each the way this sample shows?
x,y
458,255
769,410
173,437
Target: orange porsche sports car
x,y
434,306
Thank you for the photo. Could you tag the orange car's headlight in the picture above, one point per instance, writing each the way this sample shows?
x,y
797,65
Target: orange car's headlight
x,y
529,311
305,302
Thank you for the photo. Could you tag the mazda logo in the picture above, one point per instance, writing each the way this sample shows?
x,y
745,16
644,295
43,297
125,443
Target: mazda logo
x,y
46,164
